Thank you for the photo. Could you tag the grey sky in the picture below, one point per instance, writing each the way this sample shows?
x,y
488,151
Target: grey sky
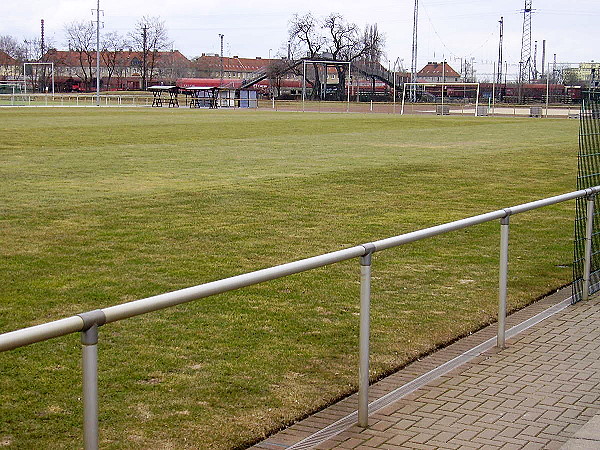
x,y
452,29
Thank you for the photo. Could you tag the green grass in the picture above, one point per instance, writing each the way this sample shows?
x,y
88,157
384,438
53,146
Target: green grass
x,y
99,207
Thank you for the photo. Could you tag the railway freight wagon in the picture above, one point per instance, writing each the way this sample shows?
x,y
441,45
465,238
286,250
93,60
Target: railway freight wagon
x,y
513,93
536,92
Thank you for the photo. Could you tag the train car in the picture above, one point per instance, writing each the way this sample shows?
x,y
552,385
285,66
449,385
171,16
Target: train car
x,y
536,92
287,87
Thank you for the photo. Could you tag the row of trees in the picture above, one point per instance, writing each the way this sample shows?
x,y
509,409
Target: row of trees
x,y
148,37
331,37
22,51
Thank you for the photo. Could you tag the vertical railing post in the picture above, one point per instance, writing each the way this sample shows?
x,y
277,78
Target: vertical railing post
x,y
364,335
587,262
503,279
89,339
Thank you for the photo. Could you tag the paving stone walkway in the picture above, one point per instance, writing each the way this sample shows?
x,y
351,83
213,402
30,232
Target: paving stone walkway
x,y
539,392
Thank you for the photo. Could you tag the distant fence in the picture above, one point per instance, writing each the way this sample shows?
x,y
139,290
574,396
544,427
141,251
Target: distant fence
x,y
88,323
466,108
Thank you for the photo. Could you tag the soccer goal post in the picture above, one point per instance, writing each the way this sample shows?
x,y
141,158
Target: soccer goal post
x,y
326,64
443,94
31,64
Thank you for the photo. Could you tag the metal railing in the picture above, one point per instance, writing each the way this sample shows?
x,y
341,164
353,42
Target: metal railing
x,y
88,323
74,99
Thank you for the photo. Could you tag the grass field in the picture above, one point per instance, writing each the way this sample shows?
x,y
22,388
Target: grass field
x,y
99,207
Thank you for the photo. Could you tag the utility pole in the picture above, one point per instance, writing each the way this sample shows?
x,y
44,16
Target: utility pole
x,y
535,72
544,57
221,36
499,69
144,55
413,67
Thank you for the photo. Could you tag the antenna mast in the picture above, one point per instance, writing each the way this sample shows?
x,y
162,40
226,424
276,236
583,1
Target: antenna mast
x,y
42,42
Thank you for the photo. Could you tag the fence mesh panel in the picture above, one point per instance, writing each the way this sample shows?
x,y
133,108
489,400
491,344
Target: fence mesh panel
x,y
588,175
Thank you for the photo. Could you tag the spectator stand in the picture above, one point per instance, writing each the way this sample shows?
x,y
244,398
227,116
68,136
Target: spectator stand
x,y
158,92
201,97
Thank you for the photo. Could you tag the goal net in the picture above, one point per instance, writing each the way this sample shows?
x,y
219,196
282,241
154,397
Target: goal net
x,y
442,99
10,92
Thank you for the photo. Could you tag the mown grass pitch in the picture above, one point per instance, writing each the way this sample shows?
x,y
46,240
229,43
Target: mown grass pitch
x,y
103,206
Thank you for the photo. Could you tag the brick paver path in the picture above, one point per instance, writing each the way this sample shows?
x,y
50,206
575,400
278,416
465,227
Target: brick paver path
x,y
536,393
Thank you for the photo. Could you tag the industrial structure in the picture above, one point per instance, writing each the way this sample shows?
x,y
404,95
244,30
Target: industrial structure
x,y
526,67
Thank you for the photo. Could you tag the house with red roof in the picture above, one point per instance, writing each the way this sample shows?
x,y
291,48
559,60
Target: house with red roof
x,y
435,72
118,70
209,66
10,68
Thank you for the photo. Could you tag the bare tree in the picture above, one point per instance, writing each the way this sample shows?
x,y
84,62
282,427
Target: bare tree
x,y
112,47
344,44
276,71
373,42
12,47
32,51
149,37
333,38
81,38
305,36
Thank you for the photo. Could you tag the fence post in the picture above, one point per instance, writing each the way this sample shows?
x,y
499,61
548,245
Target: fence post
x,y
364,332
587,262
89,339
502,288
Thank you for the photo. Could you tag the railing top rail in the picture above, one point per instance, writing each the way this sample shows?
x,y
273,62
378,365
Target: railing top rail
x,y
38,333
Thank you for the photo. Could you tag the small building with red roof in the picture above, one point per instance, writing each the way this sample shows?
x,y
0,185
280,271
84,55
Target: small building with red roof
x,y
435,72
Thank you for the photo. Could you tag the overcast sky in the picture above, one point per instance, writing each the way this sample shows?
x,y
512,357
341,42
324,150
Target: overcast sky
x,y
452,29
